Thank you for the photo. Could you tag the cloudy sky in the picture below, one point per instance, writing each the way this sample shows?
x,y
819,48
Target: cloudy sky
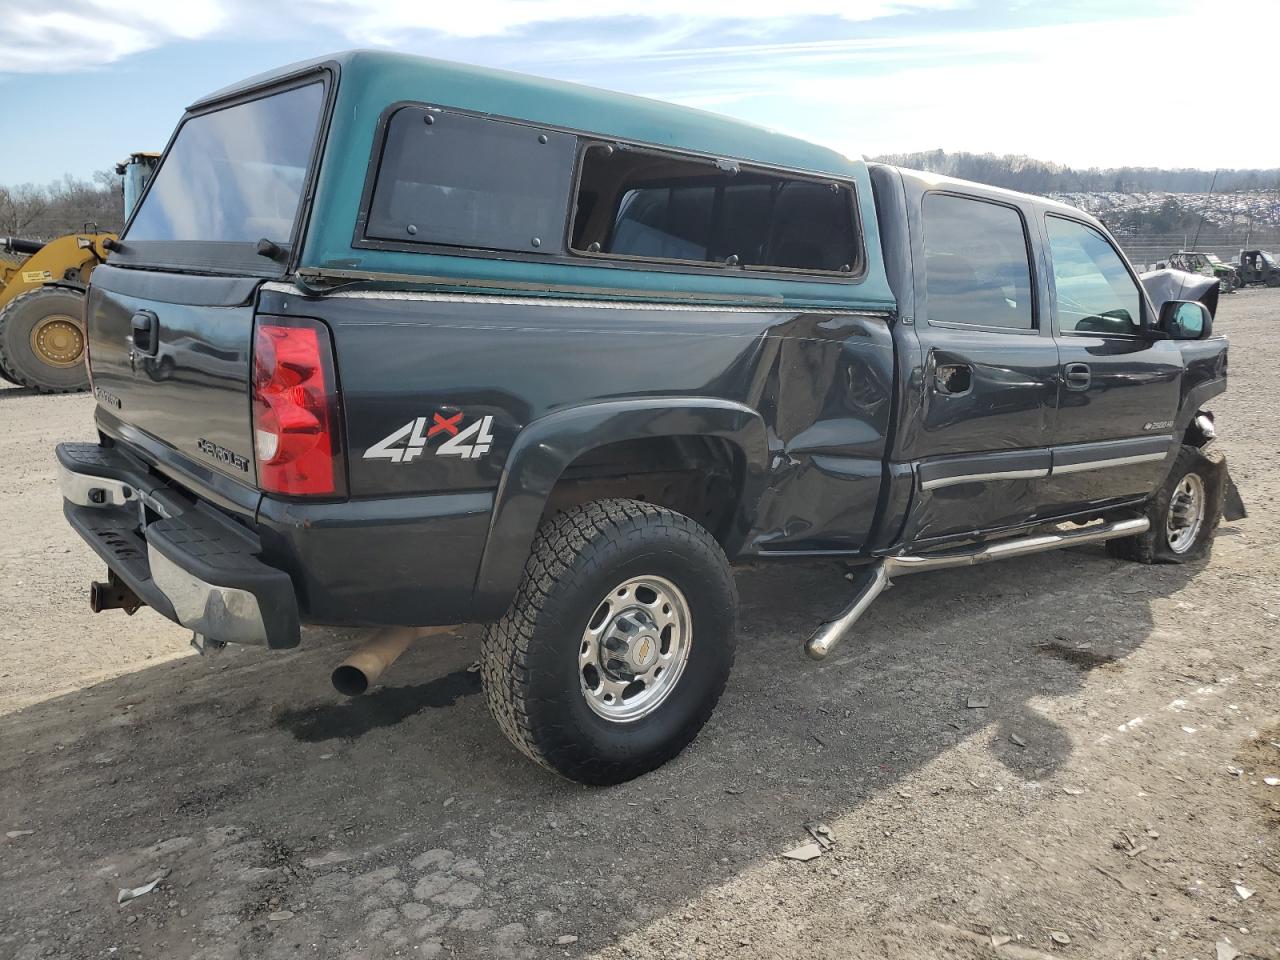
x,y
1083,82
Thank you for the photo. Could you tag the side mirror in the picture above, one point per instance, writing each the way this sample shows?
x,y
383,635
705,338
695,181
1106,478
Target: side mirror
x,y
1186,320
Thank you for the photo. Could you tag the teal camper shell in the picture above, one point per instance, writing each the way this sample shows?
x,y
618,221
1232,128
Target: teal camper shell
x,y
365,88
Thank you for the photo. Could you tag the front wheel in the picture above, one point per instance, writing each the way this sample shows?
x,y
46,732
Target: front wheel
x,y
618,644
1184,514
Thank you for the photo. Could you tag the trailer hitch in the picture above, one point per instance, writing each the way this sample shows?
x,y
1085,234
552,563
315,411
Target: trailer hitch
x,y
115,594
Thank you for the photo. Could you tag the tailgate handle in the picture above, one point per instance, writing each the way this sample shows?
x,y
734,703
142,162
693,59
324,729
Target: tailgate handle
x,y
146,332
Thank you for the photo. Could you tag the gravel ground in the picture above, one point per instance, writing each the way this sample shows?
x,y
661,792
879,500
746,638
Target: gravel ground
x,y
1108,801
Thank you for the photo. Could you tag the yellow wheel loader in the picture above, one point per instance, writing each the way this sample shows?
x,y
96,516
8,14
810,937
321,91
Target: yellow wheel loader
x,y
42,296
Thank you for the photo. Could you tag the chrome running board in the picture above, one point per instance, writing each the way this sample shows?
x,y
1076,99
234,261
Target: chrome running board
x,y
876,577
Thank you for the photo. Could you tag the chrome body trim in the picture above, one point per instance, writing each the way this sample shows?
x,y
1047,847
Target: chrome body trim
x,y
937,482
1103,464
596,303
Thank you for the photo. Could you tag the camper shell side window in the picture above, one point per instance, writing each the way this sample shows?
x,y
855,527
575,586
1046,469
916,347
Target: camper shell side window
x,y
448,181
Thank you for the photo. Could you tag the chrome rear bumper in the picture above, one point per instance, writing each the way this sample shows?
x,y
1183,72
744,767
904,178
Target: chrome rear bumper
x,y
180,556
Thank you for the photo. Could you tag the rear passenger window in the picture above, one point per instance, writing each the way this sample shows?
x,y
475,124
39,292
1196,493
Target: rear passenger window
x,y
453,179
977,270
641,204
1094,290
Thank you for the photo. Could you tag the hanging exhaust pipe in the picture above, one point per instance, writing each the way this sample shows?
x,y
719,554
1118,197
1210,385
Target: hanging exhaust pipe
x,y
360,671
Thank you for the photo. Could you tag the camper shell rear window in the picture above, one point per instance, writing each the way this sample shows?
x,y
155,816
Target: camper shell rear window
x,y
446,180
233,175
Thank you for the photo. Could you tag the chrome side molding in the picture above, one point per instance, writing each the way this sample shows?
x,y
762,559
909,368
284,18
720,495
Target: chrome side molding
x,y
876,577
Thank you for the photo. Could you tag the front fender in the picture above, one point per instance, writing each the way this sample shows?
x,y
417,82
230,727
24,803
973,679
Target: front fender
x,y
544,448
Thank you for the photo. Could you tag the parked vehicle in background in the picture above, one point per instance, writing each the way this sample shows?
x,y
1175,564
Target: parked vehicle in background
x,y
1207,265
42,297
452,345
1258,267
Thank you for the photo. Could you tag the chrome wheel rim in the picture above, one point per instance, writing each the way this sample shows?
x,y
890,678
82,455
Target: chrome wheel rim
x,y
635,648
1186,513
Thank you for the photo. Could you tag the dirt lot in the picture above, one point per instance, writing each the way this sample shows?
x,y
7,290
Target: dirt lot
x,y
1108,802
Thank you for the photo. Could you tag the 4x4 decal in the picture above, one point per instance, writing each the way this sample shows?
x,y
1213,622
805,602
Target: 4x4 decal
x,y
408,443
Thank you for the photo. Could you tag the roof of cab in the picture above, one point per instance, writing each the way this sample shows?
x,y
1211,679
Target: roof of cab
x,y
938,181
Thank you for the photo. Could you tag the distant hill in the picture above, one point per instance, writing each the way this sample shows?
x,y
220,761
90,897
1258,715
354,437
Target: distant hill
x,y
1129,198
1039,176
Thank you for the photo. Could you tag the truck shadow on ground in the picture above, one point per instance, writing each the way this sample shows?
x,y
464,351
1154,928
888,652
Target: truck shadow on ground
x,y
405,819
385,707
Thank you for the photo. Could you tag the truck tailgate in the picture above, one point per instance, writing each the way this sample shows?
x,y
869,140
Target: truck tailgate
x,y
169,354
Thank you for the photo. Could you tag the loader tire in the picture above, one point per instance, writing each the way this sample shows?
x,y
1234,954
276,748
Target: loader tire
x,y
42,340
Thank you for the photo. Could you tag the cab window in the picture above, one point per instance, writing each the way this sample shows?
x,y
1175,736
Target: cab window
x,y
1095,291
977,270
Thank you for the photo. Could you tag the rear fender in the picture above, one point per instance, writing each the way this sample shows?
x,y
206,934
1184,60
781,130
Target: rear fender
x,y
544,448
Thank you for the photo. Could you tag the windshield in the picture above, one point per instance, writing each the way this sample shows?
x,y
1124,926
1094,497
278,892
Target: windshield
x,y
233,176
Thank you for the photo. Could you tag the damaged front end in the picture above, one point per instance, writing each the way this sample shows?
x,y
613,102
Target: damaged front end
x,y
1165,285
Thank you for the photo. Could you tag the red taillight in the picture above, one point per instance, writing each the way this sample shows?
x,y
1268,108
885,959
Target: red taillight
x,y
295,409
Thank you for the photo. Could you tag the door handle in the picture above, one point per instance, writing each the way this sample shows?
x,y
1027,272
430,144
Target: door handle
x,y
1077,376
146,332
953,379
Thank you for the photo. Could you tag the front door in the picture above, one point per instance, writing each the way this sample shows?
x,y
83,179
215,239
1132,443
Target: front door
x,y
1119,389
989,368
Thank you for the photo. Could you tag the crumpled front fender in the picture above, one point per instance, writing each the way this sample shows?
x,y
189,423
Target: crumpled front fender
x,y
1165,285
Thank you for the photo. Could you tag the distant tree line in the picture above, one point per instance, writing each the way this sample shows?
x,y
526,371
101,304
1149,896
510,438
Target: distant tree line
x,y
64,206
1037,176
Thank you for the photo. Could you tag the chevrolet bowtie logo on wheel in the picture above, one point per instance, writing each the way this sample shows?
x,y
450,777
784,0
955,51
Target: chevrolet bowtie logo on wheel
x,y
408,442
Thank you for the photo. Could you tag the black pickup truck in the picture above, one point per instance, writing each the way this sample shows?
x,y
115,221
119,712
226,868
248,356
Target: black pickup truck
x,y
397,343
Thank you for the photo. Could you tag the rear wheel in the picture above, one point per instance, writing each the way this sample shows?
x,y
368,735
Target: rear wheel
x,y
1184,515
42,340
618,644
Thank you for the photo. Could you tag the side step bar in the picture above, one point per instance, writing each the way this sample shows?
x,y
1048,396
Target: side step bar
x,y
874,580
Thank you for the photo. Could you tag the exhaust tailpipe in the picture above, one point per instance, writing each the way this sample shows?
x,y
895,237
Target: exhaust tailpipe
x,y
360,671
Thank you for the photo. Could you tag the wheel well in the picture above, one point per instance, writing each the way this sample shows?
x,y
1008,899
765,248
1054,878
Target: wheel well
x,y
698,476
1196,434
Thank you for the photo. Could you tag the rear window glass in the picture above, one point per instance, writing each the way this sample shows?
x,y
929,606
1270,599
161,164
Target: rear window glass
x,y
235,175
977,270
654,206
458,180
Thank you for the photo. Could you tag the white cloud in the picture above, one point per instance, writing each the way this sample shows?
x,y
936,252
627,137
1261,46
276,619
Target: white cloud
x,y
386,21
91,33
1148,91
70,35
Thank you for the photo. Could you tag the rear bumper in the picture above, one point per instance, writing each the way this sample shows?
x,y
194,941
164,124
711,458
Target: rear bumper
x,y
182,557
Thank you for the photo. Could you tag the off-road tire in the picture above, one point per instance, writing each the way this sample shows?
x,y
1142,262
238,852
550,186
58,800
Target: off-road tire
x,y
19,361
1153,546
529,658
